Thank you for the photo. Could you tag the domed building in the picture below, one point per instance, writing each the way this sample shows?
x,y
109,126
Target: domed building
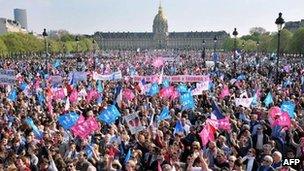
x,y
160,38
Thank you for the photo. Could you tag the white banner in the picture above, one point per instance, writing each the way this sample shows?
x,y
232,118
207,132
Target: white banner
x,y
176,78
200,87
134,123
245,102
7,77
114,76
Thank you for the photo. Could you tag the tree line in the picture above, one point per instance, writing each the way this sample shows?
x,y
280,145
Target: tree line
x,y
259,40
28,43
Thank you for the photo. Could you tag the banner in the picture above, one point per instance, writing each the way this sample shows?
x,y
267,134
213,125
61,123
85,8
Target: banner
x,y
245,102
134,123
7,77
77,76
177,78
114,76
55,80
200,87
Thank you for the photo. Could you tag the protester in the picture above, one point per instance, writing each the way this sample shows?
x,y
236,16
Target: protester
x,y
150,110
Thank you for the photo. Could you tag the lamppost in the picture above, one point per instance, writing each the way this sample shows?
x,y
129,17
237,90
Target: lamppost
x,y
279,22
44,34
214,52
77,41
243,54
257,56
235,33
204,52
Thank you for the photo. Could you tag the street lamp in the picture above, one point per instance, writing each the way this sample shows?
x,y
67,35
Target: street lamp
x,y
204,51
235,33
77,41
243,54
279,22
257,56
44,34
214,55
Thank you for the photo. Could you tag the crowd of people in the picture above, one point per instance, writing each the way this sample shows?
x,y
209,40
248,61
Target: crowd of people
x,y
253,141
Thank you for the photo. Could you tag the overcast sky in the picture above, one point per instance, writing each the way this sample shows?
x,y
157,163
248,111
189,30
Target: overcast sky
x,y
89,16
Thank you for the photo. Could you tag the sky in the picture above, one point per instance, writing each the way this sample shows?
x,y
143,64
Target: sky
x,y
89,16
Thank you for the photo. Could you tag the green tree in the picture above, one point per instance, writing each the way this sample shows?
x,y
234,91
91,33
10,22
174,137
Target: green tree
x,y
285,38
296,44
3,48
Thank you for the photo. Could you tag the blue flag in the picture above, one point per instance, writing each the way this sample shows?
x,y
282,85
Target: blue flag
x,y
41,98
178,128
38,134
182,88
216,111
23,86
241,77
289,107
153,90
109,115
128,156
166,83
164,114
12,96
187,101
268,100
57,63
89,151
68,120
99,87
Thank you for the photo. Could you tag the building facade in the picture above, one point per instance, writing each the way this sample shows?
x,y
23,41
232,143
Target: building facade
x,y
21,17
160,38
8,25
294,25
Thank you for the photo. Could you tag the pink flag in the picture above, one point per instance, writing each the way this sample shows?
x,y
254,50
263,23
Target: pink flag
x,y
207,134
92,95
158,62
284,120
128,94
225,92
224,124
204,134
166,92
59,94
93,124
274,111
73,96
175,94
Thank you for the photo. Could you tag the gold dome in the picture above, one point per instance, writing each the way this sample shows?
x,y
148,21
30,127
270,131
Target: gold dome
x,y
160,21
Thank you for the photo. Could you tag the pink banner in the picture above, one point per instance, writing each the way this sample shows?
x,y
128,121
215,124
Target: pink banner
x,y
225,92
177,78
128,94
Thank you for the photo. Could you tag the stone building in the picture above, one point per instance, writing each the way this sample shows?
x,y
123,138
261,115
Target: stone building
x,y
294,25
8,25
160,38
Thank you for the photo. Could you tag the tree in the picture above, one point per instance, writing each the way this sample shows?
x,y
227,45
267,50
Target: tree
x,y
296,44
257,30
3,48
284,41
